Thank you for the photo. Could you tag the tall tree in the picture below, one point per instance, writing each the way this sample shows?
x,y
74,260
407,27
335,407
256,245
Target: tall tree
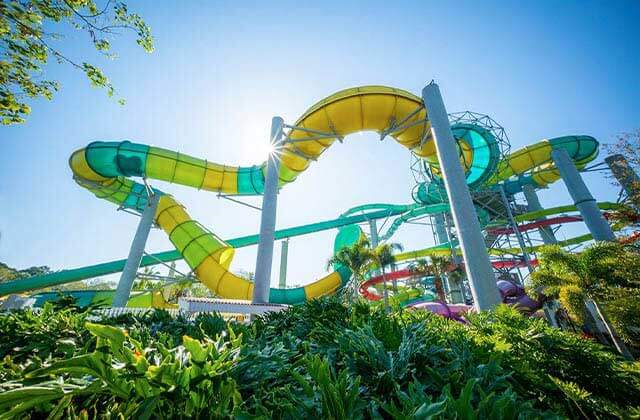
x,y
628,145
357,258
441,266
436,266
31,33
383,255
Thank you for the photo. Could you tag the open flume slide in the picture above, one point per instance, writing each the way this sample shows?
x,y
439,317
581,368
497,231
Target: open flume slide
x,y
349,218
107,168
104,169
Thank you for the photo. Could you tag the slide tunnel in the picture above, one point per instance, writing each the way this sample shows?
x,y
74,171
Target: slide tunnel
x,y
107,170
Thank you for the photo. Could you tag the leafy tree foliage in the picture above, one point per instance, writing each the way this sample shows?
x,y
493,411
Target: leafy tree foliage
x,y
357,258
8,273
383,257
30,33
437,266
608,273
628,145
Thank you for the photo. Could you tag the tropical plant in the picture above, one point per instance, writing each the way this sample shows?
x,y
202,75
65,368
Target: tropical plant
x,y
30,35
436,266
357,258
628,145
604,276
8,273
383,256
322,359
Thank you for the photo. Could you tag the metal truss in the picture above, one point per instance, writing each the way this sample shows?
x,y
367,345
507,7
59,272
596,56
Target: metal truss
x,y
419,167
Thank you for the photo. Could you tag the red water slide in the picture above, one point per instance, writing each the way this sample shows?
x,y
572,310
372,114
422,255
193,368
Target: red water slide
x,y
407,273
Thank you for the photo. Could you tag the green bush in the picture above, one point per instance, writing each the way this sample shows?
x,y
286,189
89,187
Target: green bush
x,y
321,359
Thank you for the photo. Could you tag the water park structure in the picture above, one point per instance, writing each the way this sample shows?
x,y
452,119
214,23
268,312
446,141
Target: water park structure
x,y
466,181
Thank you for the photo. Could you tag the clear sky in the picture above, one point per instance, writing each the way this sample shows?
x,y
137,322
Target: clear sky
x,y
221,70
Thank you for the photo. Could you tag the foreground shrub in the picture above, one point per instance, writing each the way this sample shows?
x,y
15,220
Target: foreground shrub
x,y
321,359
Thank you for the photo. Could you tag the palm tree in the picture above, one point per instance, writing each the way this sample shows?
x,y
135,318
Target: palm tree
x,y
436,267
581,280
357,258
383,256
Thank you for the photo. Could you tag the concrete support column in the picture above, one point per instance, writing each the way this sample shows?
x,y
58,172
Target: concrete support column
x,y
533,204
284,254
264,259
582,198
626,176
136,251
478,267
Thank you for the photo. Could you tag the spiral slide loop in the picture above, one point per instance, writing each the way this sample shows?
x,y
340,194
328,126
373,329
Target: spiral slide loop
x,y
106,169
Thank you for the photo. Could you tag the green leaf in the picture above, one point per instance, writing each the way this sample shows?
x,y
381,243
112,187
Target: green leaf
x,y
197,351
113,335
428,411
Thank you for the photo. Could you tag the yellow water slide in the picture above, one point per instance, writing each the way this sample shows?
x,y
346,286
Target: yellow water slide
x,y
106,169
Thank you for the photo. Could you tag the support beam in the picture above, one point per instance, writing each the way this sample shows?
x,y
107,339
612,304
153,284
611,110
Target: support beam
x,y
453,288
516,230
264,259
284,254
136,251
373,238
626,177
533,204
373,232
455,257
478,267
441,230
582,198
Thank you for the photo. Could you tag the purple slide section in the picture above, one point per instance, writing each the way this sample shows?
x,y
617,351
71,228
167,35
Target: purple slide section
x,y
511,293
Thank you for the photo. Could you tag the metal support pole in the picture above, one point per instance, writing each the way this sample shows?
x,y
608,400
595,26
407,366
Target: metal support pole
x,y
373,238
582,198
284,253
373,235
626,176
441,230
452,288
478,267
448,225
136,251
455,258
516,230
264,259
373,232
533,204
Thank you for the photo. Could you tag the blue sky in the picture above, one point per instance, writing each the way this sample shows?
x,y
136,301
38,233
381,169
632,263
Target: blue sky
x,y
221,70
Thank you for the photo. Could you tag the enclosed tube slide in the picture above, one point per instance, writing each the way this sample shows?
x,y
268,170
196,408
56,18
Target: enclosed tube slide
x,y
106,169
